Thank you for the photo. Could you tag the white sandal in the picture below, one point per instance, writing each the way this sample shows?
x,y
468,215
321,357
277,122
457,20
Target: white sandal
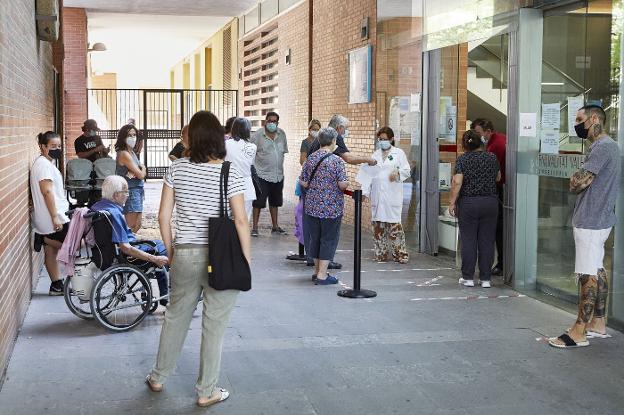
x,y
224,394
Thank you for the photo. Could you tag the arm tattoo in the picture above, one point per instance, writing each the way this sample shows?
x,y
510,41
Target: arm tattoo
x,y
581,180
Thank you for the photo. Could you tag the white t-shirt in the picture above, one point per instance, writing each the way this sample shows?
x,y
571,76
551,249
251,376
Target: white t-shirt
x,y
43,169
242,155
196,188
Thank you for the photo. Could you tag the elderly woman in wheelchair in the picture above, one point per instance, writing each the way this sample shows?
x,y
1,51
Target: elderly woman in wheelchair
x,y
122,295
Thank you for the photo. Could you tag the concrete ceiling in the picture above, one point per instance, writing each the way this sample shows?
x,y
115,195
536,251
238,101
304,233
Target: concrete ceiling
x,y
166,7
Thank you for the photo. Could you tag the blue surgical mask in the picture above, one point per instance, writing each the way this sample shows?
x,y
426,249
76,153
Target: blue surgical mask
x,y
271,127
92,133
131,141
385,145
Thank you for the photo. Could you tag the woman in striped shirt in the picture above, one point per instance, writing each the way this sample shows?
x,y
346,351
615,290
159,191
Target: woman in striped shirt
x,y
192,187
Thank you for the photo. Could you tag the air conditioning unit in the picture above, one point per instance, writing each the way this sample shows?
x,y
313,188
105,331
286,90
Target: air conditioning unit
x,y
47,16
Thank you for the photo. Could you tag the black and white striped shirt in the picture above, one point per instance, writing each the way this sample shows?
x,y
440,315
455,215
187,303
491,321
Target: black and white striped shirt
x,y
196,188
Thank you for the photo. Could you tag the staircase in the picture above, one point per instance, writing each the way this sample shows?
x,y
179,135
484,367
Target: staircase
x,y
487,77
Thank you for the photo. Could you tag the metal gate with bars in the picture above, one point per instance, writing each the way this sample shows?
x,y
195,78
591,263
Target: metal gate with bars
x,y
159,115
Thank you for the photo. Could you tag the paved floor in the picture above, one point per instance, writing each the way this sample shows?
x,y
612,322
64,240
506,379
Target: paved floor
x,y
423,346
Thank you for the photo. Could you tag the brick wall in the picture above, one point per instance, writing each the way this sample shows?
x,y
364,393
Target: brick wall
x,y
339,32
293,85
74,75
26,108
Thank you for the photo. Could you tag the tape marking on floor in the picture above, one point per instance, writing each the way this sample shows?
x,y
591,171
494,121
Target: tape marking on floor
x,y
469,297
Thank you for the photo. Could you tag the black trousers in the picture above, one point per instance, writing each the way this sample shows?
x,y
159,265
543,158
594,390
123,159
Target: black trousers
x,y
499,230
477,231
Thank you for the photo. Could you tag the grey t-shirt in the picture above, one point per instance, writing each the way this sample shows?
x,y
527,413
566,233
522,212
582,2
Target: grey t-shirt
x,y
595,206
270,155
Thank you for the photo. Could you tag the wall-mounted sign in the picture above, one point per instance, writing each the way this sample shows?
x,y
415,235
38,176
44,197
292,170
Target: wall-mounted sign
x,y
360,75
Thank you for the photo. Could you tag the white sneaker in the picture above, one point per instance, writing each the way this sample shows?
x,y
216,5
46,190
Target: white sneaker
x,y
466,283
485,284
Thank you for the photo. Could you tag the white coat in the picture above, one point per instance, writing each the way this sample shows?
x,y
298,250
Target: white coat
x,y
386,196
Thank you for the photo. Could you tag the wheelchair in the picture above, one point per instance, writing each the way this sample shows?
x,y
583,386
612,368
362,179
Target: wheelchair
x,y
109,287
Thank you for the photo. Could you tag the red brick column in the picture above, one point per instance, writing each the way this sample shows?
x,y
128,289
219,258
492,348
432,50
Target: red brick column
x,y
75,109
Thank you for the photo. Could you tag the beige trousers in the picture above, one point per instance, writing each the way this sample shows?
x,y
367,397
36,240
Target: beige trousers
x,y
189,277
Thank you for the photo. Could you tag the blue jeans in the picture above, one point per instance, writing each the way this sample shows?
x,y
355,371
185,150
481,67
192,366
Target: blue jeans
x,y
324,234
161,277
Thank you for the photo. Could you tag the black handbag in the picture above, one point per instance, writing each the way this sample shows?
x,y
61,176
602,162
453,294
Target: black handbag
x,y
228,268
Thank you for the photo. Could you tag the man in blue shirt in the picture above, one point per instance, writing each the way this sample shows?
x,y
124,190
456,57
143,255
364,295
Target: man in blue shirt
x,y
114,196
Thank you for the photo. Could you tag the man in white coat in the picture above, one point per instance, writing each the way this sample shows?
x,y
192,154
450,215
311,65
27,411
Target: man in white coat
x,y
383,184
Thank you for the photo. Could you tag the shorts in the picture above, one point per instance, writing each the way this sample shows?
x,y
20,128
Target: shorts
x,y
134,204
590,251
272,191
58,236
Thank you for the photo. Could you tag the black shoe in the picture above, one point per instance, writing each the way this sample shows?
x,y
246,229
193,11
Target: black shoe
x,y
38,242
56,288
498,271
278,230
310,264
164,302
296,257
254,232
334,265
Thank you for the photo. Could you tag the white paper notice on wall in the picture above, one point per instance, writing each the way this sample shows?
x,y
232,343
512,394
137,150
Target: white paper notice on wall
x,y
551,116
549,142
574,103
415,102
528,124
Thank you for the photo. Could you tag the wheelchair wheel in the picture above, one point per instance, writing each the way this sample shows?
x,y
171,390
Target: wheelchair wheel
x,y
121,298
80,308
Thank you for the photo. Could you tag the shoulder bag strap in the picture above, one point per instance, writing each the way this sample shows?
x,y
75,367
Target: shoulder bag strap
x,y
221,180
317,166
225,172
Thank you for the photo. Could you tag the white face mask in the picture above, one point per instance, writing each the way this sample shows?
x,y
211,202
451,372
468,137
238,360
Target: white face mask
x,y
314,134
131,141
484,140
346,133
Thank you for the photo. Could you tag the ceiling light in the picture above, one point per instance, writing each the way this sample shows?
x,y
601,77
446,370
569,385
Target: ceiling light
x,y
553,83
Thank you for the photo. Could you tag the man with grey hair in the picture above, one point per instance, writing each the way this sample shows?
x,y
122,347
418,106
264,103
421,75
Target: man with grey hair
x,y
114,196
340,123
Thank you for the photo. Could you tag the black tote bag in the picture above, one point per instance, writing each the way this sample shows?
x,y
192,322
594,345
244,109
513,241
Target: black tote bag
x,y
228,269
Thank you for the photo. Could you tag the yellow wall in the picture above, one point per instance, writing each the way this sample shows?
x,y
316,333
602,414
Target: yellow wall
x,y
204,65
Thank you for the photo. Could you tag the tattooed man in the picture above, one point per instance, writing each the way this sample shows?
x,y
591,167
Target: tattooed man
x,y
596,186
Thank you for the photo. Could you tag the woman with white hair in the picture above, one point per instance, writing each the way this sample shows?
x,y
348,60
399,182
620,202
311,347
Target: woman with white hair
x,y
325,178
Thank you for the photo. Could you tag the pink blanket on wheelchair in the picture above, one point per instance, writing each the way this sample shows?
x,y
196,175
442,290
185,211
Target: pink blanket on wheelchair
x,y
71,245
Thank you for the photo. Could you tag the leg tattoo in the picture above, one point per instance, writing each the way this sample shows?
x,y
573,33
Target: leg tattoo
x,y
602,294
587,302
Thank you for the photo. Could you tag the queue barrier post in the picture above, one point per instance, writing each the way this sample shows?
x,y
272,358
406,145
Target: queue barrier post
x,y
357,291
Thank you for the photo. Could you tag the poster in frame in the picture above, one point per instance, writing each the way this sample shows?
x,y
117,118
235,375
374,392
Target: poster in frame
x,y
360,75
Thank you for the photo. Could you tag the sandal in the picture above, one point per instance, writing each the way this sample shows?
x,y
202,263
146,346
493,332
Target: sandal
x,y
596,335
568,342
223,395
154,387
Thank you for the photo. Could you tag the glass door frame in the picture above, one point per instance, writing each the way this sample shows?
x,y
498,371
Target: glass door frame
x,y
430,194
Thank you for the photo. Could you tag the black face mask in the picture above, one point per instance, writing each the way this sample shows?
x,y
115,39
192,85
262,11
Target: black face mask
x,y
581,131
55,154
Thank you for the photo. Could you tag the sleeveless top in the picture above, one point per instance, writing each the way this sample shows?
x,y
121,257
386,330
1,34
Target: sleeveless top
x,y
123,172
